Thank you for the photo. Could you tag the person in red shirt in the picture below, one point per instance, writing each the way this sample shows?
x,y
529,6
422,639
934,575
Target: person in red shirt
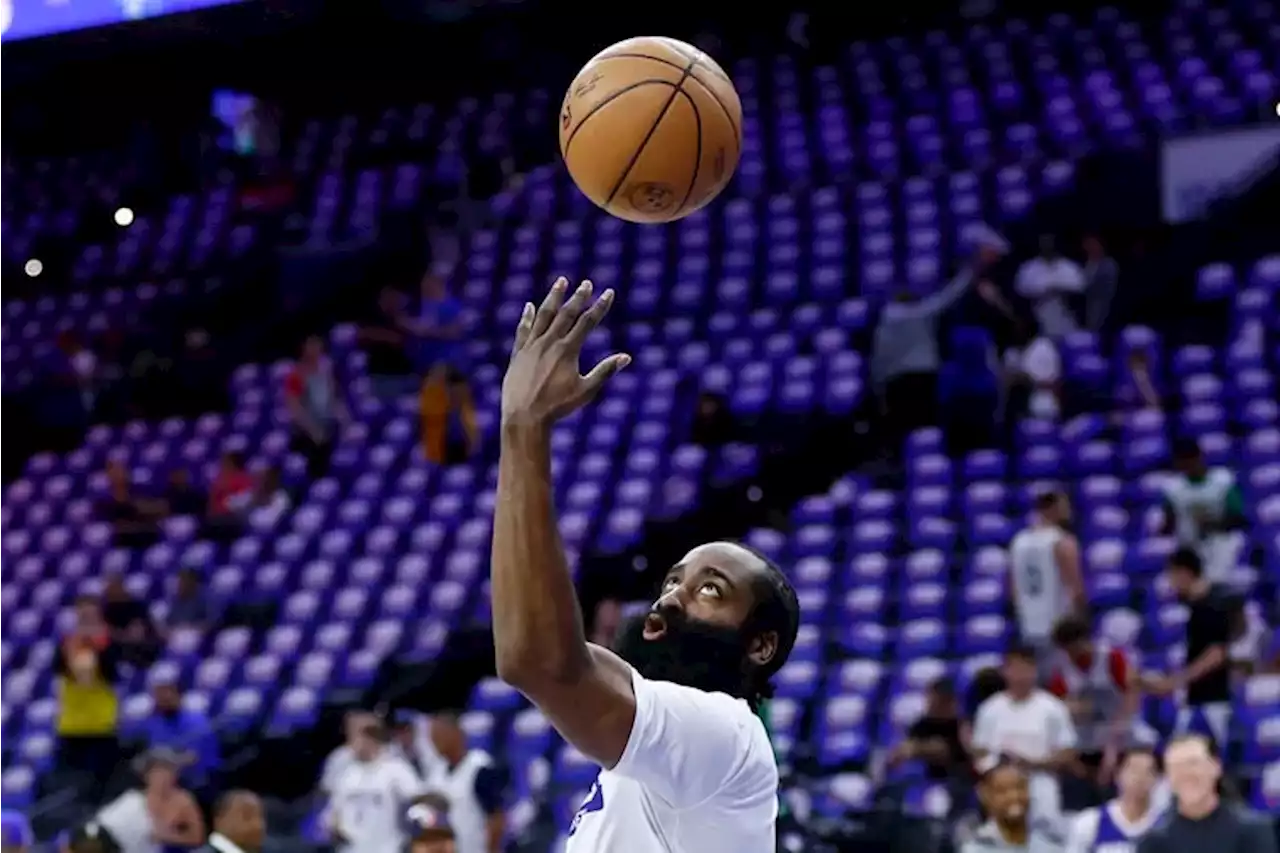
x,y
316,407
1099,684
232,488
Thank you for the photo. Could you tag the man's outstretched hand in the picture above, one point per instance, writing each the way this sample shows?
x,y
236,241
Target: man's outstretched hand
x,y
542,384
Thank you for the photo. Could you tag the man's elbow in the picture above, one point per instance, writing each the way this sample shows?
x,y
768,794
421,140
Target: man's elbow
x,y
528,669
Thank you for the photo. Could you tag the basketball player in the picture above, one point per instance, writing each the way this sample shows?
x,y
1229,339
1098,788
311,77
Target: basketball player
x,y
1117,826
686,766
1005,795
369,799
1045,577
1204,509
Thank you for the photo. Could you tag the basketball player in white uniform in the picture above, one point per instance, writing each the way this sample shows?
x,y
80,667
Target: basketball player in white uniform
x,y
371,796
686,766
472,785
1117,826
1204,509
1045,577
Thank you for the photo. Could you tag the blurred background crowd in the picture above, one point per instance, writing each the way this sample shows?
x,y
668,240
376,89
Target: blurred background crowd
x,y
981,344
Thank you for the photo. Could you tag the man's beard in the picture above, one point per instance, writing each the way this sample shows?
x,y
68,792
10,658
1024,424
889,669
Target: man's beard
x,y
691,652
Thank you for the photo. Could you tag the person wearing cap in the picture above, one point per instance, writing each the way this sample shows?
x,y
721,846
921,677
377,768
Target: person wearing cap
x,y
431,832
160,813
15,832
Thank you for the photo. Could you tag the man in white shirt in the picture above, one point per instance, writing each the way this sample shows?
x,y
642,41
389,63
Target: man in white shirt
x,y
686,766
1045,580
338,760
1048,281
1029,726
368,807
1204,508
1040,365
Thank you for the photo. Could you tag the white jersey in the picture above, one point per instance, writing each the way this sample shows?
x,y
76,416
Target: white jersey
x,y
129,821
369,803
458,786
697,776
1205,499
1039,596
334,766
1107,830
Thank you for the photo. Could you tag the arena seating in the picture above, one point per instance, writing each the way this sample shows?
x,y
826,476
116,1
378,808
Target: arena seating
x,y
760,297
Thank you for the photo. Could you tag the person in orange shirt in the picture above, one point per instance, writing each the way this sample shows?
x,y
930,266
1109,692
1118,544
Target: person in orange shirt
x,y
449,430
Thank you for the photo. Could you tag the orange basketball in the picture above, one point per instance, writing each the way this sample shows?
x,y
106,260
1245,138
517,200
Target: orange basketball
x,y
651,129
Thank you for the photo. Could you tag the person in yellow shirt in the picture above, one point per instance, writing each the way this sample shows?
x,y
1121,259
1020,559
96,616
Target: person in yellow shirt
x,y
86,669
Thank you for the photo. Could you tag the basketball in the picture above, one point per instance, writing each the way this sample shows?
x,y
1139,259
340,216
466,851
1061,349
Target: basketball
x,y
651,129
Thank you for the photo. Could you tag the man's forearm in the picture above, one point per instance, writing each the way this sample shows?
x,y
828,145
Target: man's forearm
x,y
537,625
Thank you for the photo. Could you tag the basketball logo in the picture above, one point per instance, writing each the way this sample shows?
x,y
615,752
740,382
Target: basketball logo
x,y
652,197
594,802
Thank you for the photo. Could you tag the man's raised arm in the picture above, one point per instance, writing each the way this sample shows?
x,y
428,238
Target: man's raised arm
x,y
541,650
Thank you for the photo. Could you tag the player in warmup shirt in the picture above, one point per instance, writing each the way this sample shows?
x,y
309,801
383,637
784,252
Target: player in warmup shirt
x,y
1046,582
371,796
1204,509
1099,684
1117,826
686,765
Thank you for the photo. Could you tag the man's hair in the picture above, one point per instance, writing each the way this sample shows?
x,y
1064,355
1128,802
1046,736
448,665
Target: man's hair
x,y
227,799
1186,448
777,608
1208,741
1187,558
1047,500
1020,651
1141,749
1071,630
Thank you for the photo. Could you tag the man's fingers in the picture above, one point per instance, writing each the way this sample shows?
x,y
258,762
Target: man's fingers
x,y
591,318
524,327
568,315
602,373
550,306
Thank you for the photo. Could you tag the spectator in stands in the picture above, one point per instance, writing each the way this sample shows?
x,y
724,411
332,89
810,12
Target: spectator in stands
x,y
1037,367
161,812
1206,676
190,607
131,519
384,336
473,785
1013,823
1049,281
181,497
1136,390
231,493
438,329
904,353
239,824
607,622
1030,727
1204,508
76,367
15,833
1099,685
87,668
338,760
450,433
1101,275
713,423
316,407
130,621
269,496
939,738
187,733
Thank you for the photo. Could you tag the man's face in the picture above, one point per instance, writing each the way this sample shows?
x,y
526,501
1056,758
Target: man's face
x,y
693,634
941,705
88,616
366,743
1188,464
1138,774
447,736
1181,579
1019,673
1006,795
245,822
167,698
1192,770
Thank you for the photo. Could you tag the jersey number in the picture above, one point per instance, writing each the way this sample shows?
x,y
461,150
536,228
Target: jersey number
x,y
1033,580
593,803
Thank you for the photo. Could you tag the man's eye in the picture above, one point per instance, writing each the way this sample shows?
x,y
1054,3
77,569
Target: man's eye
x,y
710,589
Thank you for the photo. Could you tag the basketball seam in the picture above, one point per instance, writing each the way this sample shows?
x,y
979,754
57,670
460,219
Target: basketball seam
x,y
697,161
712,92
653,128
564,152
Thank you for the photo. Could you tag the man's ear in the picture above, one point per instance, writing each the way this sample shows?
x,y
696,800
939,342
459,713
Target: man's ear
x,y
763,648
